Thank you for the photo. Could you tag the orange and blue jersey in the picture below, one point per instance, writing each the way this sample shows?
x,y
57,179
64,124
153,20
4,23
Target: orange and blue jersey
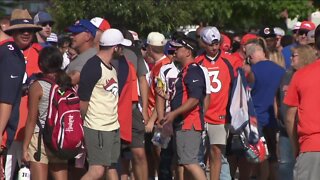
x,y
190,84
220,73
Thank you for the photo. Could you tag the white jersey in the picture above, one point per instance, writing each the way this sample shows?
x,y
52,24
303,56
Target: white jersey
x,y
168,75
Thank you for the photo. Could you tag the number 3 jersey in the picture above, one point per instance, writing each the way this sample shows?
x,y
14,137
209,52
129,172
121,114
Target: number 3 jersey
x,y
220,82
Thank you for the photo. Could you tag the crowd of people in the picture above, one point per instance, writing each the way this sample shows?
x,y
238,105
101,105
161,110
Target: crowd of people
x,y
132,90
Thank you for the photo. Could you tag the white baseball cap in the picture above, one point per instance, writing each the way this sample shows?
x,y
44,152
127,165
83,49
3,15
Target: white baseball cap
x,y
112,37
156,39
210,35
100,23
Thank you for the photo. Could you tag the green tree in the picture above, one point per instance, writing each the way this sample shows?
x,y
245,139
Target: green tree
x,y
3,6
165,16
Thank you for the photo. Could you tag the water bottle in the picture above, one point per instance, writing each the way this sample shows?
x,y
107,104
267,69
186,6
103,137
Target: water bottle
x,y
24,173
162,136
156,139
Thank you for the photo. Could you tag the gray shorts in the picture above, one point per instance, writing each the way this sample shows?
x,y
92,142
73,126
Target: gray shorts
x,y
138,129
218,133
187,146
103,147
307,166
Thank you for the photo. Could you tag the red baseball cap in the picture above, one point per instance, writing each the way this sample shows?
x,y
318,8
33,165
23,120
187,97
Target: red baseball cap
x,y
307,25
247,37
226,43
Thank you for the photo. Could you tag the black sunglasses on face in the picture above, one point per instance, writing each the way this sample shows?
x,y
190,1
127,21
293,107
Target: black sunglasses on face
x,y
302,32
47,23
25,30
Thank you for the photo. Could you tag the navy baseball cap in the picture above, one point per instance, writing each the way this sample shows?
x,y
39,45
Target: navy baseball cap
x,y
42,17
267,32
82,26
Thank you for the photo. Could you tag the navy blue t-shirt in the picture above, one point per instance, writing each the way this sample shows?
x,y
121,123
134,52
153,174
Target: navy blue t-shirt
x,y
12,69
268,76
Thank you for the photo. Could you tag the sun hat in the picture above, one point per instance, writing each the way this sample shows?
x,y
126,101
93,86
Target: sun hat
x,y
112,37
21,19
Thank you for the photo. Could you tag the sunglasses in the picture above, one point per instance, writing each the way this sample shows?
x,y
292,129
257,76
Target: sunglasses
x,y
25,30
303,32
47,23
294,55
171,52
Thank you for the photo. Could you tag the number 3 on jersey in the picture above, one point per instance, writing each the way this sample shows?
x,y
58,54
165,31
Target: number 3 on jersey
x,y
215,82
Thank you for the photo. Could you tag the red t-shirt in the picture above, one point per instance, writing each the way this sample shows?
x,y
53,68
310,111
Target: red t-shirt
x,y
220,79
303,92
129,94
153,79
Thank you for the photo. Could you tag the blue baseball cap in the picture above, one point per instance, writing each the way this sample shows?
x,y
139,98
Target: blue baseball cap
x,y
82,26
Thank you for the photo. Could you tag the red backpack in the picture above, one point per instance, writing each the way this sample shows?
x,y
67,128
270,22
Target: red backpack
x,y
63,129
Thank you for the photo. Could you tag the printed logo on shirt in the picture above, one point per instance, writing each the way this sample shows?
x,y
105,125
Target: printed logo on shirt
x,y
111,86
10,47
13,77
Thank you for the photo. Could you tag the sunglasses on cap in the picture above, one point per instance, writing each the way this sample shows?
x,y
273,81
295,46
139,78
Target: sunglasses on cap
x,y
47,23
185,44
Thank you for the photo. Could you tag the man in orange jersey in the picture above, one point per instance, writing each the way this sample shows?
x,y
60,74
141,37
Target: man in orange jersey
x,y
221,73
155,49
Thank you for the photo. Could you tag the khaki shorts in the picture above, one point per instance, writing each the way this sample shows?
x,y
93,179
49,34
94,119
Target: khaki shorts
x,y
218,133
46,155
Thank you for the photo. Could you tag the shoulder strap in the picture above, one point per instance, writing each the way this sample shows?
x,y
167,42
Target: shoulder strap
x,y
231,73
230,67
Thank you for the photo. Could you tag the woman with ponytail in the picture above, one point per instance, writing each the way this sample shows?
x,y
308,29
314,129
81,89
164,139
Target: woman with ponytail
x,y
50,62
264,77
